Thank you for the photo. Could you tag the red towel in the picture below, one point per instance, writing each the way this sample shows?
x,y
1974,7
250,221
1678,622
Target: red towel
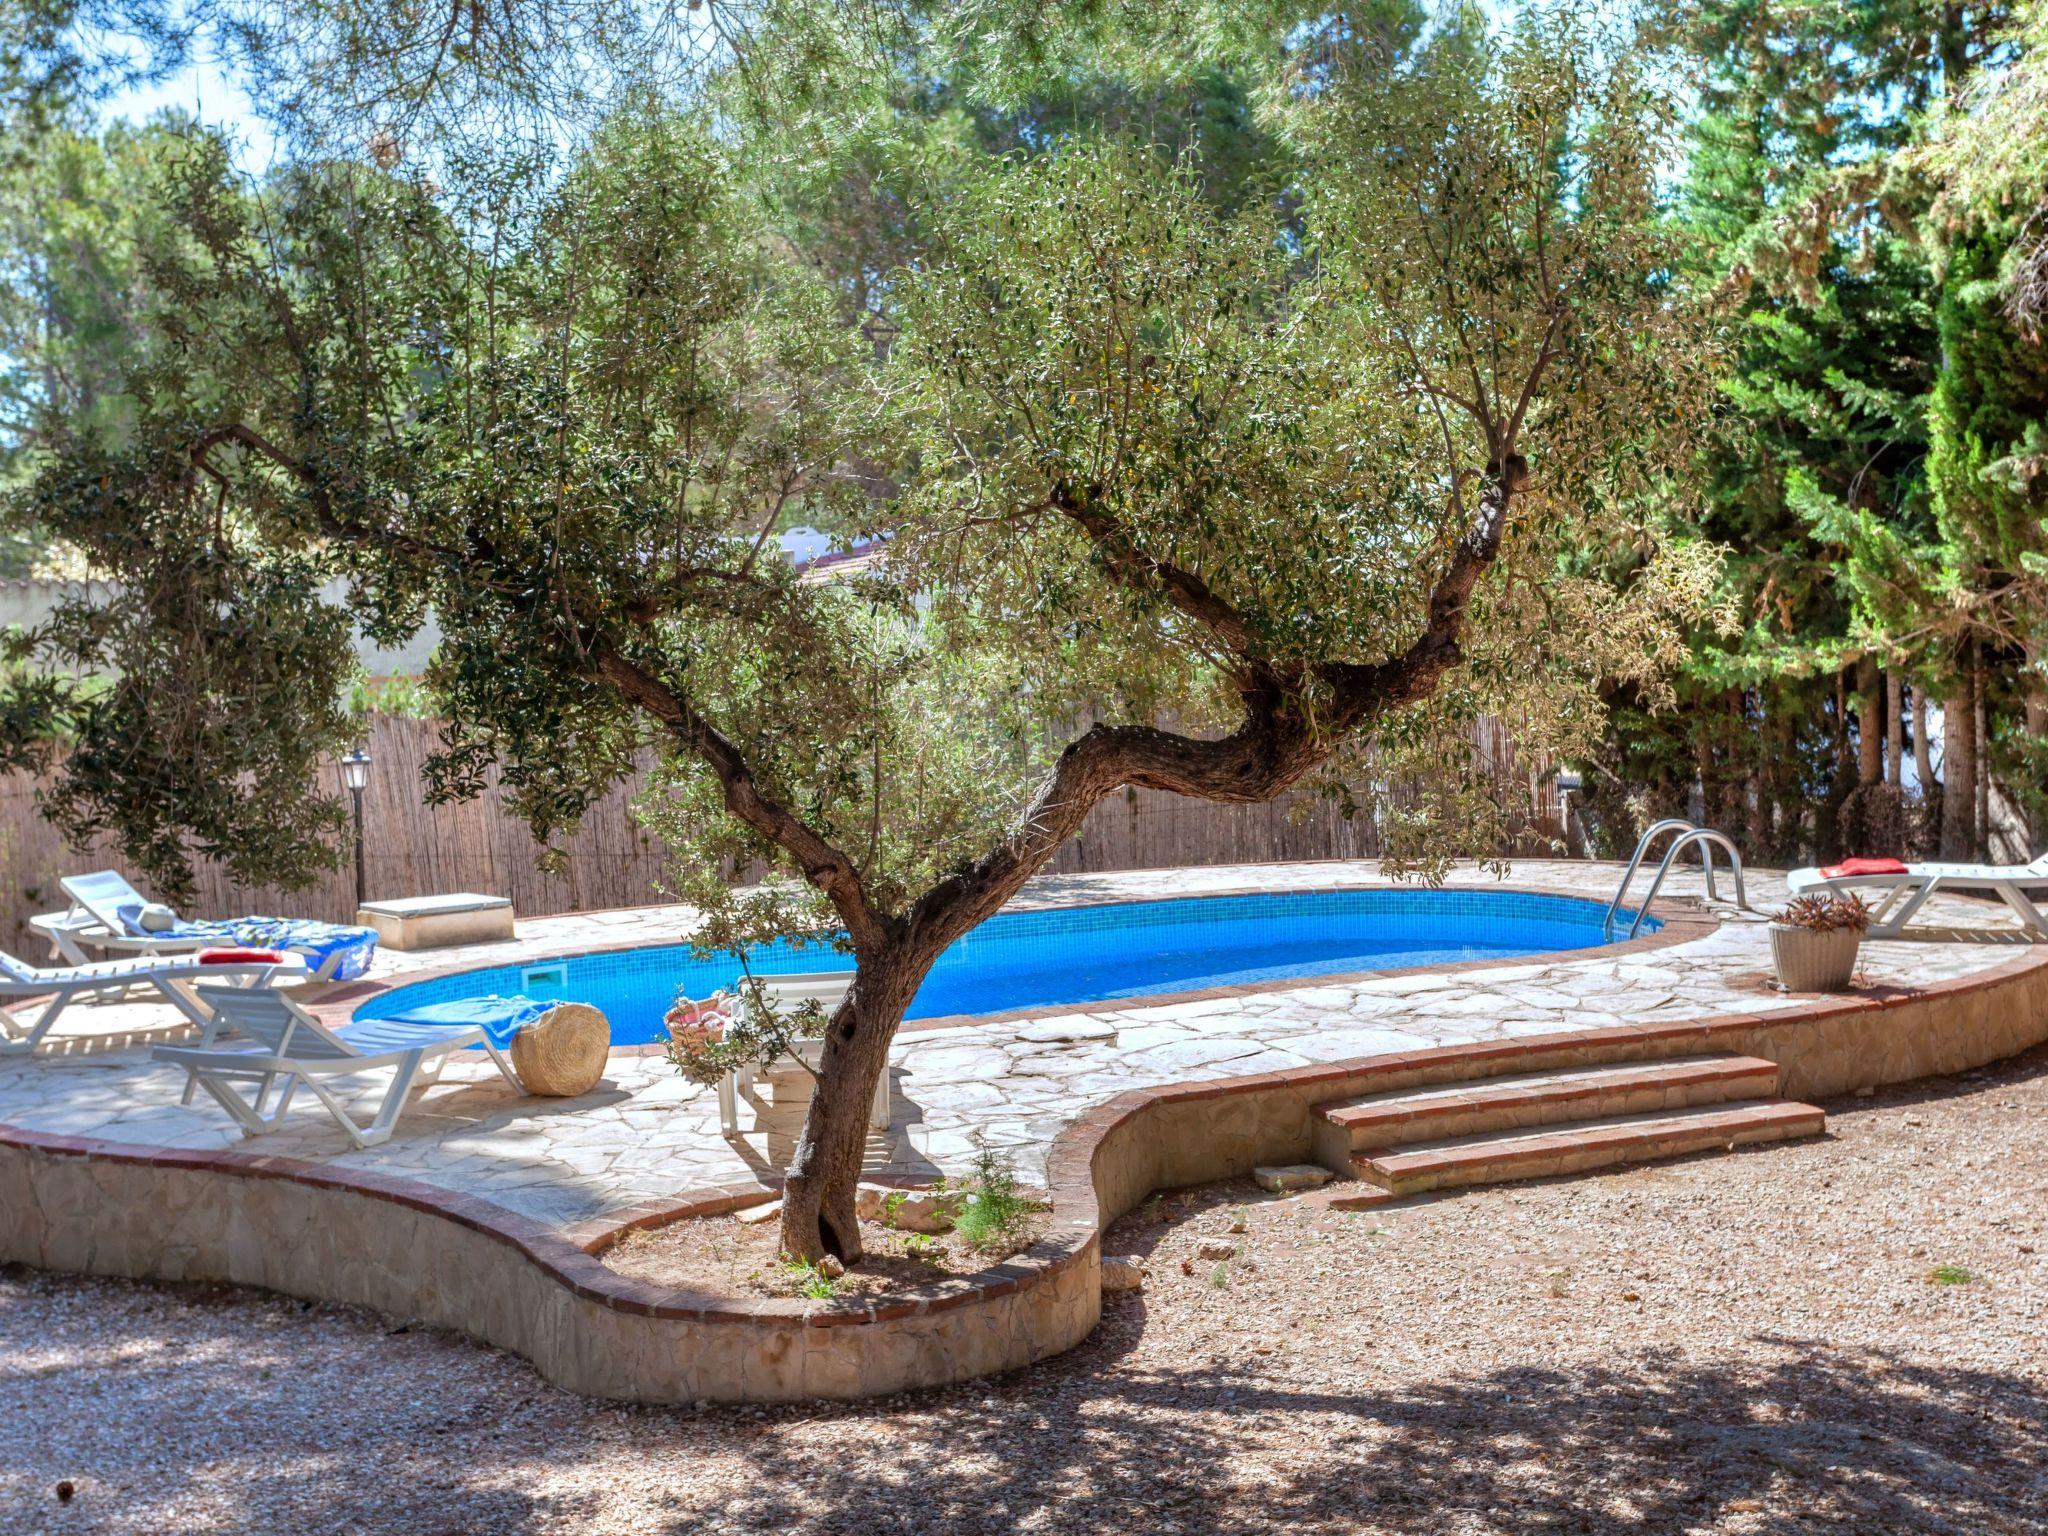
x,y
240,957
1849,868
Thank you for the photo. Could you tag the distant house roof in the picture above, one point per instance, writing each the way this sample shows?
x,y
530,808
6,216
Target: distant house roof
x,y
803,545
827,563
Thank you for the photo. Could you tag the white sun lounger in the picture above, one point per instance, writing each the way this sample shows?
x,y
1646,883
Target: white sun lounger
x,y
828,988
293,1046
171,975
101,898
102,906
2014,884
94,918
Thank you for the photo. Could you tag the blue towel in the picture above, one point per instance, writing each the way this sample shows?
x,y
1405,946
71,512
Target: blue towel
x,y
299,935
501,1017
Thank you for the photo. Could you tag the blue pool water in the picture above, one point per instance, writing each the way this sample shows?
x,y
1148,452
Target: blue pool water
x,y
1071,955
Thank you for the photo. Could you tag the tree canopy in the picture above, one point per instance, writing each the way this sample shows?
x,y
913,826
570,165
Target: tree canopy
x,y
1356,403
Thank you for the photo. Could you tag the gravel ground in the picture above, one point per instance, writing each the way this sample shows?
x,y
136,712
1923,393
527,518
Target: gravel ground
x,y
1749,1343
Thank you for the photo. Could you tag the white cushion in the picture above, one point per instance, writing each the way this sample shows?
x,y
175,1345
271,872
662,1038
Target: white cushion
x,y
436,906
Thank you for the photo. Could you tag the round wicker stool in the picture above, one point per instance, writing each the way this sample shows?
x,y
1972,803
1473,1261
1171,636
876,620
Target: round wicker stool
x,y
561,1053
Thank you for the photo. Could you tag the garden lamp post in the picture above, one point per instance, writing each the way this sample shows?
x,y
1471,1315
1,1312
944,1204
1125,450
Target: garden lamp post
x,y
355,777
1568,783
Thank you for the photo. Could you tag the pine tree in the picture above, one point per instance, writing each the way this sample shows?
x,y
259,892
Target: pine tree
x,y
1823,493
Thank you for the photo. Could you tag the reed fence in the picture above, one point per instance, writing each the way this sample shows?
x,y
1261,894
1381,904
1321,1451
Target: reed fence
x,y
412,848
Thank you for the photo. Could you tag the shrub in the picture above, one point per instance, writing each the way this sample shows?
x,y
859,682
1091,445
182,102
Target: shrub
x,y
1826,913
993,1216
1884,820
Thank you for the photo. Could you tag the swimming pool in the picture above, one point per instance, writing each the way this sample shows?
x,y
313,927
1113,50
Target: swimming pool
x,y
1062,956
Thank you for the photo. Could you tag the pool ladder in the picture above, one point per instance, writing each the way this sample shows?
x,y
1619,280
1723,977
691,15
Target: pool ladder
x,y
1689,834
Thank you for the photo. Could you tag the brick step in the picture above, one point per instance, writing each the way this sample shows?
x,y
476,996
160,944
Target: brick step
x,y
1469,1108
1546,1151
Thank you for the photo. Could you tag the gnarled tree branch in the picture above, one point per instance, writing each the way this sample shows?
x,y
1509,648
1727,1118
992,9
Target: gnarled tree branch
x,y
823,865
1133,567
1279,741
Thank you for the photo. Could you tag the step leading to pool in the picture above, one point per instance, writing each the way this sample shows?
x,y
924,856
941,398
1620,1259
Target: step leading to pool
x,y
1468,1108
1533,1125
1546,1151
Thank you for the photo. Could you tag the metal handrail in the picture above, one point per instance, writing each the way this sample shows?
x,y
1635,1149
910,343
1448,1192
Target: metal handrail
x,y
1656,830
1704,836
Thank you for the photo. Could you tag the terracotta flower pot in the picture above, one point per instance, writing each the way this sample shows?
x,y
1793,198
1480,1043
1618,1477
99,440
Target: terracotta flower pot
x,y
1811,961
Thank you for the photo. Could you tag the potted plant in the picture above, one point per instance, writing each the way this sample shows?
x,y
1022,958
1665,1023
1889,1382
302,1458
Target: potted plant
x,y
1814,942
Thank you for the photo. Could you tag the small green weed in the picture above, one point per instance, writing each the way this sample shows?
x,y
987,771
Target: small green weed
x,y
807,1280
993,1215
1948,1274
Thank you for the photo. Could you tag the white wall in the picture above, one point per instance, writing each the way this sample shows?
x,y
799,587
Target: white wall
x,y
24,603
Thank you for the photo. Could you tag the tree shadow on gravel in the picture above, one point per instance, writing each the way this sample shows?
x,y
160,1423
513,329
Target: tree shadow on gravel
x,y
440,1438
1817,1440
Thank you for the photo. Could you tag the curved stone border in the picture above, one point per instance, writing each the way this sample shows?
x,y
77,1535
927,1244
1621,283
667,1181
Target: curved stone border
x,y
1682,920
421,1252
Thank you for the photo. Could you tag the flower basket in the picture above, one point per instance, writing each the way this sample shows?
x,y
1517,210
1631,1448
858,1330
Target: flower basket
x,y
693,1023
1814,962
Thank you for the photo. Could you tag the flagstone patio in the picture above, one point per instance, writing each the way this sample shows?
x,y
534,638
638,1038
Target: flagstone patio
x,y
646,1135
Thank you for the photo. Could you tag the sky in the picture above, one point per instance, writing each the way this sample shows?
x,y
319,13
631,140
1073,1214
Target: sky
x,y
210,95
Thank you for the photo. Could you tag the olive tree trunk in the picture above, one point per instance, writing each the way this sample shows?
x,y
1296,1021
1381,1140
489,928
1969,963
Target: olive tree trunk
x,y
820,1188
1282,736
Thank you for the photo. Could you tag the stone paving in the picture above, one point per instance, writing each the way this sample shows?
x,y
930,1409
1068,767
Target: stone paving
x,y
647,1134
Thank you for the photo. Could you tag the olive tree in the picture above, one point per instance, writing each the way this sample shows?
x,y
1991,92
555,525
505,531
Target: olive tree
x,y
1246,487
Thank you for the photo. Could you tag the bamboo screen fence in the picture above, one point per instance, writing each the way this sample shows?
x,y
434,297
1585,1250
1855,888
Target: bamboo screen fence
x,y
411,848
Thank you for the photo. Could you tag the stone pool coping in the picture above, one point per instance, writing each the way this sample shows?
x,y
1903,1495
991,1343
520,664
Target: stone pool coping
x,y
1682,921
423,1251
